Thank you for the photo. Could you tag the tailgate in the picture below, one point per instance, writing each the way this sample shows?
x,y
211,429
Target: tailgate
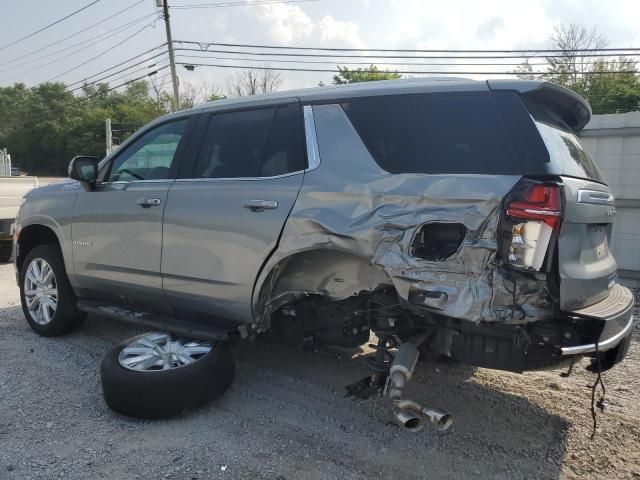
x,y
586,266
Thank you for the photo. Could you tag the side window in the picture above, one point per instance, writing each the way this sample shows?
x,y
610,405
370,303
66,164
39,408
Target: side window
x,y
150,156
251,143
434,133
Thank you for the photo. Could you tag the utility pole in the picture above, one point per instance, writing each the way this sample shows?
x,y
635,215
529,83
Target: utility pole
x,y
172,59
108,135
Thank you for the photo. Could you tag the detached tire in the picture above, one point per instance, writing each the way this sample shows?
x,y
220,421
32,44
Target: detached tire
x,y
155,375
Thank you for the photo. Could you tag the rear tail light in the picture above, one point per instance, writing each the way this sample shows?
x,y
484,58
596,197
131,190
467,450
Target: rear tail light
x,y
533,213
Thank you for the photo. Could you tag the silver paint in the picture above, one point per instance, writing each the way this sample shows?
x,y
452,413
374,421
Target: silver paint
x,y
351,228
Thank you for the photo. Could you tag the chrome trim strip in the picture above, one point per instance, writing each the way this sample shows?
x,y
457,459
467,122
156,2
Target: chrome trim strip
x,y
123,182
275,177
595,197
602,346
313,154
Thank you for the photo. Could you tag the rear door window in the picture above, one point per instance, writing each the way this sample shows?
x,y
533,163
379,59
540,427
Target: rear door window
x,y
434,133
251,143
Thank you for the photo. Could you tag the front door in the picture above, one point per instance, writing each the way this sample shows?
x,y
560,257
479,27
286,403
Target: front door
x,y
117,228
224,218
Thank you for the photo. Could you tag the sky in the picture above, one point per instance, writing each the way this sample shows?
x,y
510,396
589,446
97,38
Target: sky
x,y
408,24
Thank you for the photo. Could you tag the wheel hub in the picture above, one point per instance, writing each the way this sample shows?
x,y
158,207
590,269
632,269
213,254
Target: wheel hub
x,y
160,351
40,291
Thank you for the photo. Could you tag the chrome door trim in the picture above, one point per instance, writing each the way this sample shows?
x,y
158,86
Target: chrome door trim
x,y
313,153
275,177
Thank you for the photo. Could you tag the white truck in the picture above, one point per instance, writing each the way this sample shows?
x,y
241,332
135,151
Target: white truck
x,y
12,189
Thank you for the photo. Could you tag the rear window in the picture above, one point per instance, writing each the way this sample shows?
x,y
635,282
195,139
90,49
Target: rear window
x,y
434,133
564,148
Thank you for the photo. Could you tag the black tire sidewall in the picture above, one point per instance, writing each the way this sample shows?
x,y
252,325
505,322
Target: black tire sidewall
x,y
66,315
166,393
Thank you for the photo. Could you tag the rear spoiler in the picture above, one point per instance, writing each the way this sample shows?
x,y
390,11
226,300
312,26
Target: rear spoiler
x,y
571,107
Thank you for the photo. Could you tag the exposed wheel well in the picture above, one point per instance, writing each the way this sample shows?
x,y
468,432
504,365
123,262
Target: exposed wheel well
x,y
31,237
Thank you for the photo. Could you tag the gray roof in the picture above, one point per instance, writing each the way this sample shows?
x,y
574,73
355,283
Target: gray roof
x,y
334,92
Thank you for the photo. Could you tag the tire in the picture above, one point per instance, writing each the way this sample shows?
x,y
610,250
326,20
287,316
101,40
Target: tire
x,y
65,316
5,251
152,394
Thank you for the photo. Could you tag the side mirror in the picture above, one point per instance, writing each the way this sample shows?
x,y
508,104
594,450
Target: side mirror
x,y
84,169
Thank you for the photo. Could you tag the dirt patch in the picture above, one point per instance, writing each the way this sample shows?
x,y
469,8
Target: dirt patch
x,y
286,417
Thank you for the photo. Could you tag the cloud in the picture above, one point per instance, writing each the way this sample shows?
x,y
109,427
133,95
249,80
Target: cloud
x,y
340,33
286,24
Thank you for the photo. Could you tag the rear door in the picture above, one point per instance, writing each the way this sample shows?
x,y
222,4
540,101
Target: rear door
x,y
224,215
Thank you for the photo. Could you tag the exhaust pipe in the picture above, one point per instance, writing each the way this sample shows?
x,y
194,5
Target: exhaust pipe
x,y
408,414
408,420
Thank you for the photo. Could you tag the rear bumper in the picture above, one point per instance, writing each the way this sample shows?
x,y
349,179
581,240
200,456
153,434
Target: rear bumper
x,y
604,344
615,312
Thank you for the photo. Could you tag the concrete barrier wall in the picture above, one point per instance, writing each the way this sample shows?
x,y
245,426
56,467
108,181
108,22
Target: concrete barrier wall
x,y
613,141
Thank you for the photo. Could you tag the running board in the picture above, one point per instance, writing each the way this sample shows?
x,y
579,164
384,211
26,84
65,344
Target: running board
x,y
177,326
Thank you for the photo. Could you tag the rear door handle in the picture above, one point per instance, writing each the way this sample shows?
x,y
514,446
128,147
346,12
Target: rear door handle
x,y
148,202
260,205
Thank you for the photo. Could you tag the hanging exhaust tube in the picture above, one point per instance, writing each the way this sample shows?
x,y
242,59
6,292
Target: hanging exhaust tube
x,y
408,414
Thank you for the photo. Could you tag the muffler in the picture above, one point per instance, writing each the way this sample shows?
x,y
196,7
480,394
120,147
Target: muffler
x,y
408,414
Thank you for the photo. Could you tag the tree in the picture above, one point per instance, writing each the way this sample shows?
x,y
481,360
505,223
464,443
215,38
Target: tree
x,y
45,126
609,86
253,82
369,74
572,67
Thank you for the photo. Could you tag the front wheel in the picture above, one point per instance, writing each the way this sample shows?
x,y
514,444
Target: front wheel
x,y
48,301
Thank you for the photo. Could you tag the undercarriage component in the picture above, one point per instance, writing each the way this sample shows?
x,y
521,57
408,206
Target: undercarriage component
x,y
320,321
407,413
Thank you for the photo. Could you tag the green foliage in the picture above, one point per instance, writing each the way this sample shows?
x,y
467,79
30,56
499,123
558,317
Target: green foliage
x,y
44,127
608,86
369,74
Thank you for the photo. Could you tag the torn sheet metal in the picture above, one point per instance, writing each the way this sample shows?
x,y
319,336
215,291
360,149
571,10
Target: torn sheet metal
x,y
353,224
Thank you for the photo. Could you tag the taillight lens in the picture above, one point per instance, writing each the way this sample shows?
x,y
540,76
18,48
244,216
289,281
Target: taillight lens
x,y
534,211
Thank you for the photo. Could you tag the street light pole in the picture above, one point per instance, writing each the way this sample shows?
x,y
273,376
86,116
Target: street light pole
x,y
172,59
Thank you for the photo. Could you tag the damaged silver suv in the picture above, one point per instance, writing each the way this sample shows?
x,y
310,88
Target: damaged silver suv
x,y
461,217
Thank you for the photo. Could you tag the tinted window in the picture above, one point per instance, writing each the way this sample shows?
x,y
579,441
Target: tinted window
x,y
565,150
434,134
253,143
150,156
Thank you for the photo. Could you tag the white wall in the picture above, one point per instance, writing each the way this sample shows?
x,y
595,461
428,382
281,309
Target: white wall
x,y
613,141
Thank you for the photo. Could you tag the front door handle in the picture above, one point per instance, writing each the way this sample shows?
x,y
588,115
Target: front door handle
x,y
148,202
260,205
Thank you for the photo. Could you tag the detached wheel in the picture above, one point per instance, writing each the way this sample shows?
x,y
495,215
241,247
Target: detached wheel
x,y
156,375
48,301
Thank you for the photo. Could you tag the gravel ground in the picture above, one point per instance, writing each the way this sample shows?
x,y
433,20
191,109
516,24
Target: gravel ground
x,y
285,417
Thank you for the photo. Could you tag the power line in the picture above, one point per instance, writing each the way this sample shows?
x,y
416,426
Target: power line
x,y
325,55
119,78
100,54
48,26
72,35
122,63
236,4
369,63
95,41
339,49
442,72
